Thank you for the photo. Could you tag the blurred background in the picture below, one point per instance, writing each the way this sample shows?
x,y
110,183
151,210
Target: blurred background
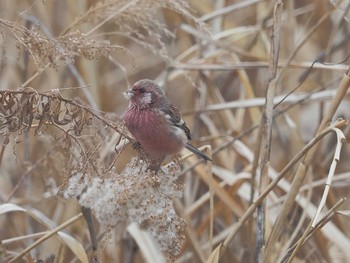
x,y
214,60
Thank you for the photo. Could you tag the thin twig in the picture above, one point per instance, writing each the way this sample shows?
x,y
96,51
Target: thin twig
x,y
268,189
47,236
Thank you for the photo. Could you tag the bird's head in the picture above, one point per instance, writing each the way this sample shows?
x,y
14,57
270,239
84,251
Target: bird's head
x,y
144,94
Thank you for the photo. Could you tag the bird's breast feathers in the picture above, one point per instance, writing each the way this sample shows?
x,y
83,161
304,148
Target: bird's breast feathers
x,y
151,128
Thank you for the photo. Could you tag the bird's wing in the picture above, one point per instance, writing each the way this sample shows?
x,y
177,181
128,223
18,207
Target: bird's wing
x,y
174,116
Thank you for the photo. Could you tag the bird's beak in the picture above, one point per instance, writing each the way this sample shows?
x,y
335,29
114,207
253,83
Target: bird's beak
x,y
128,94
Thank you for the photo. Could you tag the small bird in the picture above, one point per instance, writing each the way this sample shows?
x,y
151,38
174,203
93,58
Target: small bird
x,y
156,123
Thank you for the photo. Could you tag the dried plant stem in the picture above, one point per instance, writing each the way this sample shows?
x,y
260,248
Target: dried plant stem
x,y
87,213
3,147
303,167
36,74
47,236
340,140
111,16
192,239
211,208
267,122
310,230
55,95
285,170
228,9
7,242
219,60
216,189
27,173
306,37
253,65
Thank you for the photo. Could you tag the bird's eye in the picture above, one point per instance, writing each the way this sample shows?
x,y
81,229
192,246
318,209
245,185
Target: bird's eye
x,y
142,90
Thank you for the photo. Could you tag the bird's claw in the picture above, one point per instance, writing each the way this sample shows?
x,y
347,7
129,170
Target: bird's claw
x,y
136,145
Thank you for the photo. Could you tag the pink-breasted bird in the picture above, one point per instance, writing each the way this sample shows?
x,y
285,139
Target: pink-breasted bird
x,y
156,123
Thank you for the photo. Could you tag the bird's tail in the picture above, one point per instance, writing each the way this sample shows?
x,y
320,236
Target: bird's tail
x,y
197,152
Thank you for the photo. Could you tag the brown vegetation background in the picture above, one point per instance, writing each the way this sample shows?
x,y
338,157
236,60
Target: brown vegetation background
x,y
258,82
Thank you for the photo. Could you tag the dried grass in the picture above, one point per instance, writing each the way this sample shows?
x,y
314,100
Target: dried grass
x,y
261,85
